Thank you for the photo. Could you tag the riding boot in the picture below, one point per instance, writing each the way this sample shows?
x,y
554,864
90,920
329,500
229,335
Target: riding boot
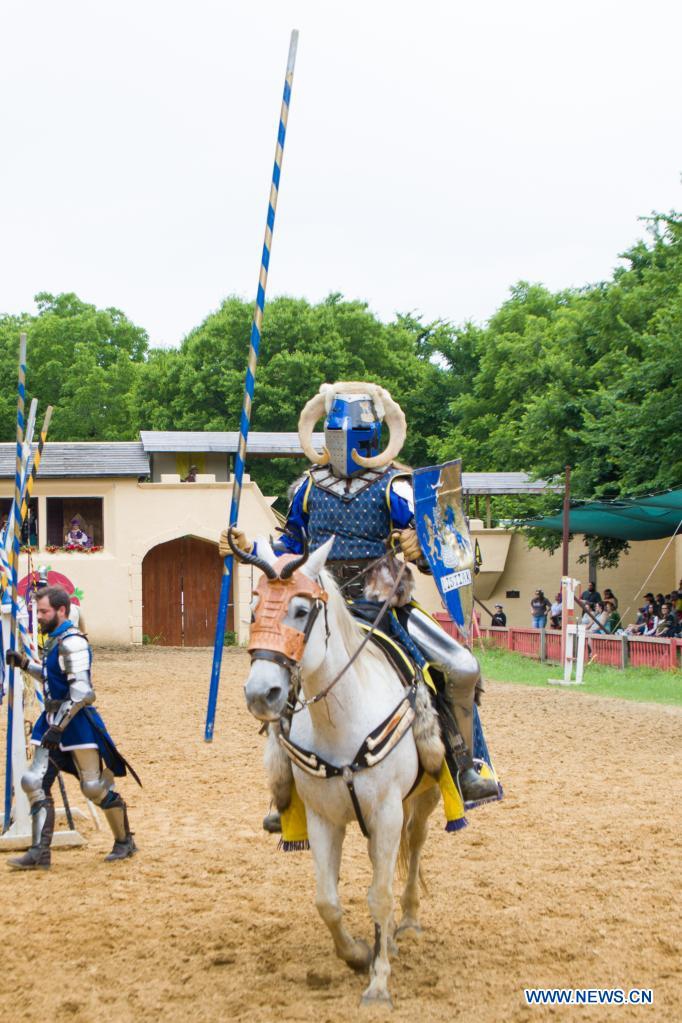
x,y
116,813
472,785
42,827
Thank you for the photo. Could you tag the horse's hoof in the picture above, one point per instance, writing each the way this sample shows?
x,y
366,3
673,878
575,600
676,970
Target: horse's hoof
x,y
408,925
376,999
360,959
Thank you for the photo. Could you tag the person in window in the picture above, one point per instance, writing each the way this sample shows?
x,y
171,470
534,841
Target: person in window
x,y
76,537
555,612
539,606
499,619
591,595
191,476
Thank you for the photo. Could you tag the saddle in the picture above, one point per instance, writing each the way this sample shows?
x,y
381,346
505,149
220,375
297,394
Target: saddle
x,y
391,636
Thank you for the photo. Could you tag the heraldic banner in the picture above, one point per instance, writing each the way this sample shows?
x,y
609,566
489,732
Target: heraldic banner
x,y
443,533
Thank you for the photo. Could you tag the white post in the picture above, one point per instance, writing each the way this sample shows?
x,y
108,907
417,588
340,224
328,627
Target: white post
x,y
569,631
21,825
582,630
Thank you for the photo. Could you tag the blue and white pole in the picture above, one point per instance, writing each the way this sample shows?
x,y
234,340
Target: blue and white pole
x,y
14,564
248,389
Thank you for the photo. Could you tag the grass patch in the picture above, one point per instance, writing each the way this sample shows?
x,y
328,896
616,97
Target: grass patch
x,y
646,685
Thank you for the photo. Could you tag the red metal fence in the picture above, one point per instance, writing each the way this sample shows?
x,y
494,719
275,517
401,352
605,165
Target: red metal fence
x,y
617,651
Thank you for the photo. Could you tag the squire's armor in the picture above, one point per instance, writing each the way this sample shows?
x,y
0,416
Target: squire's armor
x,y
71,736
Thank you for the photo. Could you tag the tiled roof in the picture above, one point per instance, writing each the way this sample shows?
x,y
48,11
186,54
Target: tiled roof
x,y
223,442
131,458
68,460
504,483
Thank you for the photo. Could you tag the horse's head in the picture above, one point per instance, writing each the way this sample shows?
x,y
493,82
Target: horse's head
x,y
287,630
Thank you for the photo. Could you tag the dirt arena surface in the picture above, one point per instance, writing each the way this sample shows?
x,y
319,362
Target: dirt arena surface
x,y
572,881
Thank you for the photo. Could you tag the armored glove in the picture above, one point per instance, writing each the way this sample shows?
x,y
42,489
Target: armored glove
x,y
409,544
16,659
52,738
240,539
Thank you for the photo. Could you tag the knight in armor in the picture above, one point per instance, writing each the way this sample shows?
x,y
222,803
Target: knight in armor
x,y
357,494
69,735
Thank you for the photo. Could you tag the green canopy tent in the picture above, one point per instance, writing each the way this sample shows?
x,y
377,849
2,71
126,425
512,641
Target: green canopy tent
x,y
643,518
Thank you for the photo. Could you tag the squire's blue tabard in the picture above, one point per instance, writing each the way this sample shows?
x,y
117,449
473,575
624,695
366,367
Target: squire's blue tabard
x,y
444,538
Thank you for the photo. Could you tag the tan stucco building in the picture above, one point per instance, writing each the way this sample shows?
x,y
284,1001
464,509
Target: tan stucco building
x,y
155,571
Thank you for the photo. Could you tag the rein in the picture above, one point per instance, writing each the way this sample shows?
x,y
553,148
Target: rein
x,y
299,704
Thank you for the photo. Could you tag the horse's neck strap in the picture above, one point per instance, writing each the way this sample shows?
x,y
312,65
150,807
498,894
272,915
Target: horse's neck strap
x,y
373,750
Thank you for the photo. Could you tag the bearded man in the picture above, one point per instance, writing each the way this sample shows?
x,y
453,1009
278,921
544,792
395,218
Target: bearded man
x,y
69,735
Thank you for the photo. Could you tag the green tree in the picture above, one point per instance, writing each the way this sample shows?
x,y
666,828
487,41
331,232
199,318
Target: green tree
x,y
82,360
200,386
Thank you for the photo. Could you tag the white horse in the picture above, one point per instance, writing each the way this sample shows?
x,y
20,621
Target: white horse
x,y
301,623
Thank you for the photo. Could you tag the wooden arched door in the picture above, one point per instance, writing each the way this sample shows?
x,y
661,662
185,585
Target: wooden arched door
x,y
180,590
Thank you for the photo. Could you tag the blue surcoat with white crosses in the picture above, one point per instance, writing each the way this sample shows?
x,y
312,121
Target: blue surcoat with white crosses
x,y
359,512
86,729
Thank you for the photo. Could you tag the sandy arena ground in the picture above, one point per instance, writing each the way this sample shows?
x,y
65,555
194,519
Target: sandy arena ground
x,y
572,881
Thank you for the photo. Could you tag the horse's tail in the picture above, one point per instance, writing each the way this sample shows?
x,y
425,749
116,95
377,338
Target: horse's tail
x,y
404,850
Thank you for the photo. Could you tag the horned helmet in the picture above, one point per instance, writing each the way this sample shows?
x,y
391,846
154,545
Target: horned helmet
x,y
352,428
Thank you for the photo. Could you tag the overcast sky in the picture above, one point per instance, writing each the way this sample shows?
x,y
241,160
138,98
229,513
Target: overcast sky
x,y
437,152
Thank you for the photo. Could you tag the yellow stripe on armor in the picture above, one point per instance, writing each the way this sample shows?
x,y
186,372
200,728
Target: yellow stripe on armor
x,y
308,488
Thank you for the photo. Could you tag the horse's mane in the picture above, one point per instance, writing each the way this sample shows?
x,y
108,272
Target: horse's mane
x,y
346,627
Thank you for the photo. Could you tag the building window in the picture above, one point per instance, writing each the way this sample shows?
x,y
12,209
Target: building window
x,y
75,522
29,533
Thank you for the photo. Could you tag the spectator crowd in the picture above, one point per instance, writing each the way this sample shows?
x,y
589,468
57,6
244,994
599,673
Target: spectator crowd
x,y
660,615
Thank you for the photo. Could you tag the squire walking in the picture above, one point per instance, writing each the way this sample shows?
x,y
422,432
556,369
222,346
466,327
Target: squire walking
x,y
69,735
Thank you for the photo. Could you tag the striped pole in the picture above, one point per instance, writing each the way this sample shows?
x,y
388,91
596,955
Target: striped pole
x,y
14,565
25,459
29,481
249,388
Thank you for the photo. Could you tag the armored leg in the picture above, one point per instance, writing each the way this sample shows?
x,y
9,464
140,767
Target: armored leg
x,y
97,785
37,783
462,674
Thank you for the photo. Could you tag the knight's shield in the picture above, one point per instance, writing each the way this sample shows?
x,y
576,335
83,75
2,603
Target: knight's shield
x,y
444,537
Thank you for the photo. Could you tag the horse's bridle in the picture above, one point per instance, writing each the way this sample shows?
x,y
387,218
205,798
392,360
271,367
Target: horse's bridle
x,y
271,640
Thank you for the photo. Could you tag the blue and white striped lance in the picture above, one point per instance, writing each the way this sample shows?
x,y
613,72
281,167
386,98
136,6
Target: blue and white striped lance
x,y
249,386
14,563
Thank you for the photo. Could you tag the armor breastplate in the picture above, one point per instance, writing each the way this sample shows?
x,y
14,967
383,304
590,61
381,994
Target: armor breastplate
x,y
55,681
356,511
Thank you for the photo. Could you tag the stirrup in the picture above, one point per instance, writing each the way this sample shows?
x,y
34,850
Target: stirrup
x,y
474,787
